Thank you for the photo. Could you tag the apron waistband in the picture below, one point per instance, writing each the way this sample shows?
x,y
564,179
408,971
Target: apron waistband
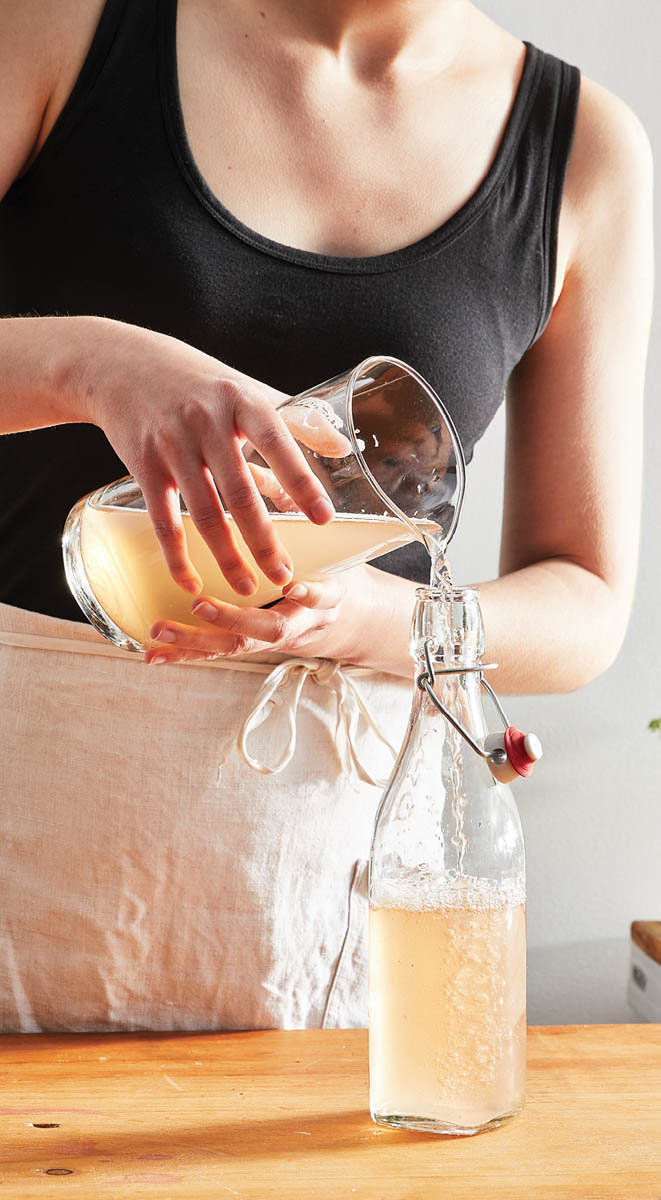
x,y
289,675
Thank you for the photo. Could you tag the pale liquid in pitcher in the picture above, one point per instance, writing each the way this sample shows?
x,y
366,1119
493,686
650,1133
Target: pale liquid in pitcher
x,y
447,1008
130,579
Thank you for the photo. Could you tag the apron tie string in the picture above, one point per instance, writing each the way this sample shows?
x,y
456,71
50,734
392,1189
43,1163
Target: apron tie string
x,y
336,677
351,707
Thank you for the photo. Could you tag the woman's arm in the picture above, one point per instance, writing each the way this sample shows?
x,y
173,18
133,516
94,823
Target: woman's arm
x,y
575,427
557,615
176,417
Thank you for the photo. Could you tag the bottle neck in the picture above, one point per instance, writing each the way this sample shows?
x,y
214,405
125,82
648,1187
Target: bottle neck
x,y
460,693
448,624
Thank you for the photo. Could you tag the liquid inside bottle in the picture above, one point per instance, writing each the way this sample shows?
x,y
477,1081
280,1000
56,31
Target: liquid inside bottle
x,y
447,1007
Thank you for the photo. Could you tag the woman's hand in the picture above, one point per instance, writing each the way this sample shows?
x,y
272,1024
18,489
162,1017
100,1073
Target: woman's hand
x,y
305,622
178,419
359,616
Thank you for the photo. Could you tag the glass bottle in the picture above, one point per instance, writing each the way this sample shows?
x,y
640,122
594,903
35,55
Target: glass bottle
x,y
447,942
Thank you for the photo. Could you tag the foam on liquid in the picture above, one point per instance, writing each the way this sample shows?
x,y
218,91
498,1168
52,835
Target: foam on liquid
x,y
423,891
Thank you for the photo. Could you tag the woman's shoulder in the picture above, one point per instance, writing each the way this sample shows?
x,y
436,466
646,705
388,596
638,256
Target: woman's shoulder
x,y
609,134
42,49
609,175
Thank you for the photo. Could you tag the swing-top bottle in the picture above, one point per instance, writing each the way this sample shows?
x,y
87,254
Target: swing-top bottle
x,y
447,943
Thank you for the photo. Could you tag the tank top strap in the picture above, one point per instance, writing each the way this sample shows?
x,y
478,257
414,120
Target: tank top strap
x,y
540,166
124,33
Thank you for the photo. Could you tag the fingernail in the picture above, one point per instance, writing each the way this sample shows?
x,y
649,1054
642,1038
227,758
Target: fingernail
x,y
166,635
193,586
205,611
297,591
282,574
322,509
245,586
158,658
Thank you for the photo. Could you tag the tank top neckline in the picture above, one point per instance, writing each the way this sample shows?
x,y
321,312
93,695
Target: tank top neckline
x,y
425,247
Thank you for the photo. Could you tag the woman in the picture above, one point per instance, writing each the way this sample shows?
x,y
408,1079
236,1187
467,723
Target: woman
x,y
233,194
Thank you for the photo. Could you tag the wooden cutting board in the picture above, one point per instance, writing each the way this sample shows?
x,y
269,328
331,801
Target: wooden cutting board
x,y
282,1115
647,935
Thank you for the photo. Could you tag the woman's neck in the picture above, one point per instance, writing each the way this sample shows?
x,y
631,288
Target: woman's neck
x,y
373,36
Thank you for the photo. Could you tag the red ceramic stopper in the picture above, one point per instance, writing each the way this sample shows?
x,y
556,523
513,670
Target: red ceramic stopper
x,y
516,751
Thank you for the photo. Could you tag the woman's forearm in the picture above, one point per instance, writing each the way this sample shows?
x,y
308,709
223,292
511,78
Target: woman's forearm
x,y
551,626
42,363
177,419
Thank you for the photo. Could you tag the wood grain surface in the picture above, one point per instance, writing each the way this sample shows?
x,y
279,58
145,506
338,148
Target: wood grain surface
x,y
281,1115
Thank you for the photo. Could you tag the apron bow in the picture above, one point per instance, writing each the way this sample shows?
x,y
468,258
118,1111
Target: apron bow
x,y
351,707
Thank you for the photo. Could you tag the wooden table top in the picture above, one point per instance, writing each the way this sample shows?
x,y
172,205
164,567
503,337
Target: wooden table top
x,y
282,1115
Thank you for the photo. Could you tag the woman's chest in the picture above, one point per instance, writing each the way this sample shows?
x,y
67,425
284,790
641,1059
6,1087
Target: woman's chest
x,y
309,155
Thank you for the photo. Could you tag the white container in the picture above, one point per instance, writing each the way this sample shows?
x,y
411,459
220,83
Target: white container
x,y
644,991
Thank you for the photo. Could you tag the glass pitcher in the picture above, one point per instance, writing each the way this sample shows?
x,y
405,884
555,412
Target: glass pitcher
x,y
377,437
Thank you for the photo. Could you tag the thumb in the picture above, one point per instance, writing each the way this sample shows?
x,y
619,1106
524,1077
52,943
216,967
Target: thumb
x,y
324,593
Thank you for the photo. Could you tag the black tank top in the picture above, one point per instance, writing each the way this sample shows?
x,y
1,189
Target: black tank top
x,y
113,218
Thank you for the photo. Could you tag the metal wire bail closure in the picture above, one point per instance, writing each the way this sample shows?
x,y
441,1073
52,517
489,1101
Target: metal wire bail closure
x,y
518,753
425,681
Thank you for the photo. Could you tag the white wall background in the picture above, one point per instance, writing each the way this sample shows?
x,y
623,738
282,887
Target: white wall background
x,y
592,811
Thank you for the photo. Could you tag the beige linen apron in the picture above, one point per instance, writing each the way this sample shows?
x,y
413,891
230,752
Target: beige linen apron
x,y
142,887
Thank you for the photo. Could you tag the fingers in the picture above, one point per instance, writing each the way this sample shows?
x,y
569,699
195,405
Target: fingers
x,y
226,621
176,642
311,427
270,487
323,594
170,656
165,513
228,630
241,496
203,503
269,434
199,456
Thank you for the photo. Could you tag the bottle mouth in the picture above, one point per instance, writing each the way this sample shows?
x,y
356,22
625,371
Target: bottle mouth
x,y
460,595
448,623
